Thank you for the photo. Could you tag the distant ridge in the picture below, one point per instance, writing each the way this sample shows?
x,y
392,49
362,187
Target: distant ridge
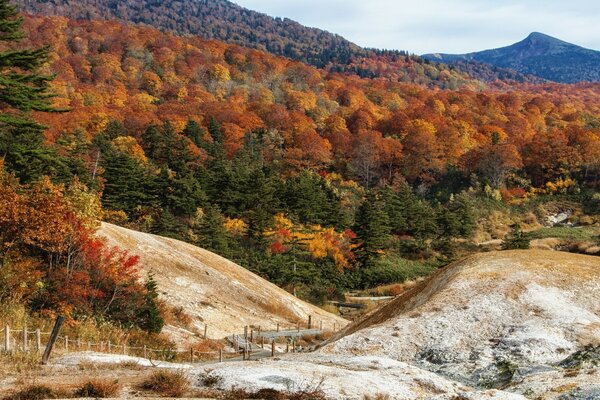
x,y
540,55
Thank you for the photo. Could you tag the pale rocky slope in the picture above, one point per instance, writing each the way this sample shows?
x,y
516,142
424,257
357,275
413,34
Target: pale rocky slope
x,y
501,319
213,290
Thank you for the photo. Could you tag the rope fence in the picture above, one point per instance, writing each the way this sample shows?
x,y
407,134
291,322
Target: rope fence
x,y
33,341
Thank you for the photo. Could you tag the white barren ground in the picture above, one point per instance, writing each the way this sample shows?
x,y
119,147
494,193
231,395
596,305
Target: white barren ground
x,y
522,310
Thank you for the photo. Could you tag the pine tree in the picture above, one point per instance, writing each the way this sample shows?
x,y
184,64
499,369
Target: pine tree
x,y
22,87
216,149
149,317
195,133
516,239
211,232
372,230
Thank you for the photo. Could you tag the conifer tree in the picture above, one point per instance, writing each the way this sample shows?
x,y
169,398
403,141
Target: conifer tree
x,y
211,231
195,133
372,230
516,239
23,88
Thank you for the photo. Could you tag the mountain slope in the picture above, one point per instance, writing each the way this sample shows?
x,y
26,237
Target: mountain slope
x,y
212,19
540,55
211,289
228,22
491,319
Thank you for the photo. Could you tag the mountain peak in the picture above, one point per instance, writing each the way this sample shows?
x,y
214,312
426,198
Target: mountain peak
x,y
539,55
536,38
539,35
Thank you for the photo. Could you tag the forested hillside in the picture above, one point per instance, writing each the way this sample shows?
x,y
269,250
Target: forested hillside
x,y
226,21
316,180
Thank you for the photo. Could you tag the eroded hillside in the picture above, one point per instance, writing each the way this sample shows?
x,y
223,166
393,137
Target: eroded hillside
x,y
516,320
212,289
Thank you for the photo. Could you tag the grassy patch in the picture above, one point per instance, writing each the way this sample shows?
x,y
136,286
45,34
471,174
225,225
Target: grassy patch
x,y
586,233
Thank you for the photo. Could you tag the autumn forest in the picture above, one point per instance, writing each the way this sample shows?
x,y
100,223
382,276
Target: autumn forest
x,y
320,180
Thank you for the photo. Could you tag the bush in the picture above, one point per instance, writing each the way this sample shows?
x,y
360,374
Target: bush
x,y
166,383
98,388
516,239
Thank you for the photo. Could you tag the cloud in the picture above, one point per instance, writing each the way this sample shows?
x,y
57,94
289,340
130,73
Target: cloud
x,y
456,26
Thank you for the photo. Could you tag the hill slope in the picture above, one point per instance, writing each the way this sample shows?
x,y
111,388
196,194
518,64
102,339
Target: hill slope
x,y
228,22
540,55
513,319
212,289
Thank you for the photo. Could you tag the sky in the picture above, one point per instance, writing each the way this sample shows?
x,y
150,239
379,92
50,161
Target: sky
x,y
442,26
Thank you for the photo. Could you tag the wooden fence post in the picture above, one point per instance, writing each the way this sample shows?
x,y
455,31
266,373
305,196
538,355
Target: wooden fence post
x,y
321,325
145,352
191,355
109,347
251,335
89,345
287,347
310,322
262,342
7,338
278,327
38,340
273,348
246,332
66,343
220,355
52,340
205,331
78,343
298,326
124,349
25,338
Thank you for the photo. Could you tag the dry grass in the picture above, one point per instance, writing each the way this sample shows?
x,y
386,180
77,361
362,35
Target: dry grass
x,y
38,392
378,396
279,309
98,388
166,383
177,316
207,349
19,363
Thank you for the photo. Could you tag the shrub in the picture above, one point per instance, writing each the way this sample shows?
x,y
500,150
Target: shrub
x,y
98,388
210,380
516,239
166,383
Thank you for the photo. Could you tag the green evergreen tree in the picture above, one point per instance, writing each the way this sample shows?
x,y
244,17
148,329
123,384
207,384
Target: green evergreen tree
x,y
127,185
372,230
308,198
24,89
215,149
516,239
211,231
149,317
195,133
168,225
